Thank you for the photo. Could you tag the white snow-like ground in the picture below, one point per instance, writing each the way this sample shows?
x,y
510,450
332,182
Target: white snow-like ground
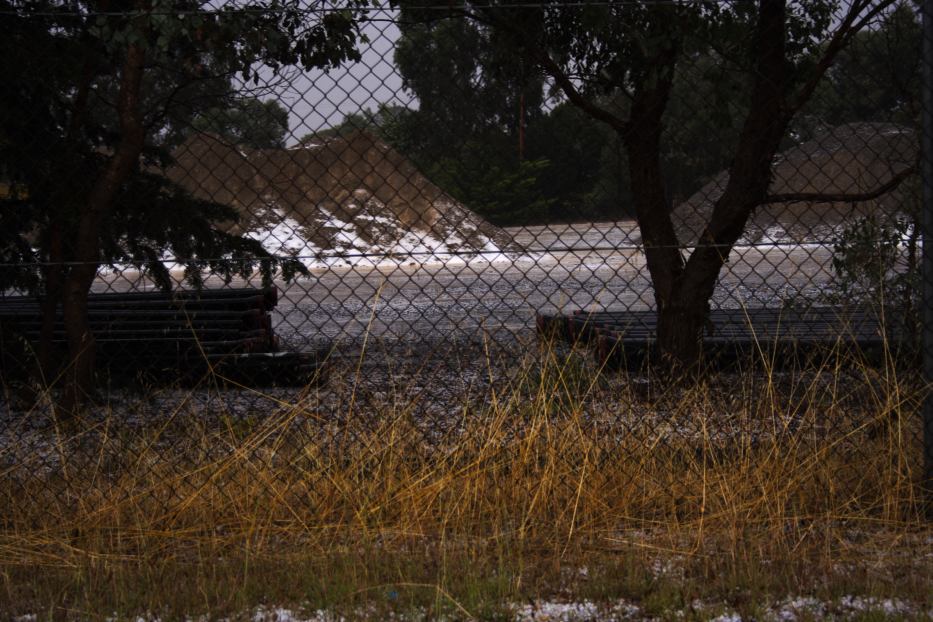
x,y
373,237
791,609
788,610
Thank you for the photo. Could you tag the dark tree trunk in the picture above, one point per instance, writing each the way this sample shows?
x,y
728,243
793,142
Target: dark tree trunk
x,y
652,205
80,375
54,272
680,333
682,320
53,295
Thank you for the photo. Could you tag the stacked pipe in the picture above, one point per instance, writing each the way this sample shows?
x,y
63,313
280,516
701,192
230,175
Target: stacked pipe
x,y
159,329
627,337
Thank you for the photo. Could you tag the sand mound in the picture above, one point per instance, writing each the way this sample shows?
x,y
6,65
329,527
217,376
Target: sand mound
x,y
345,201
849,159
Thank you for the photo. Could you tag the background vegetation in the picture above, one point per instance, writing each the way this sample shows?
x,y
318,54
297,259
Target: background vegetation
x,y
489,128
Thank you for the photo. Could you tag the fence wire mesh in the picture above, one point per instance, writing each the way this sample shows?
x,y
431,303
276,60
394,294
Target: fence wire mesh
x,y
305,249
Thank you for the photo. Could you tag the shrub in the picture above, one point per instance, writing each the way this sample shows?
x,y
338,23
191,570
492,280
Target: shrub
x,y
875,263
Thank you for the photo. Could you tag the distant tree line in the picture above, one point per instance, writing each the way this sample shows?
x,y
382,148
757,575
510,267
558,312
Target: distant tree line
x,y
688,89
489,129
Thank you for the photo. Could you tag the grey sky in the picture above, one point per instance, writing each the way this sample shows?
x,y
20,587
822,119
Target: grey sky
x,y
318,99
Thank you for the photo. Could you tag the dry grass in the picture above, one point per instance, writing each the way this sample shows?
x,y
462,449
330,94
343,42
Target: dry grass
x,y
559,482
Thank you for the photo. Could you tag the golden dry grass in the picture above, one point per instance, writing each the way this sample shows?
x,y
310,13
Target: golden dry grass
x,y
755,483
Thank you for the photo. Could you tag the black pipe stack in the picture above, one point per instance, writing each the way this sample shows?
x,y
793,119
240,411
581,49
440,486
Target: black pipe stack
x,y
160,332
628,338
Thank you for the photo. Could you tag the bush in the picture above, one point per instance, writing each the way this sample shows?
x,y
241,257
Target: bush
x,y
875,263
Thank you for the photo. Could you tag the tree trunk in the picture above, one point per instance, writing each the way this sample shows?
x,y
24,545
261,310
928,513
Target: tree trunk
x,y
652,208
680,333
652,205
680,327
53,295
80,376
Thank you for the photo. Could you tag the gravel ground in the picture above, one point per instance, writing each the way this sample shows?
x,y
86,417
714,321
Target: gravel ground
x,y
599,265
788,610
430,339
438,303
438,395
791,609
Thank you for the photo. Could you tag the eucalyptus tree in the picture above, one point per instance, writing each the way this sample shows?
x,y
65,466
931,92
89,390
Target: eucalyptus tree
x,y
619,63
100,94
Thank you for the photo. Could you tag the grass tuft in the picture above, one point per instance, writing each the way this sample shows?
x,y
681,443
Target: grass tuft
x,y
553,479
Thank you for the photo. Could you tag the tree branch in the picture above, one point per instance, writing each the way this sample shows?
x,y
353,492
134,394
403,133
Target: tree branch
x,y
79,105
821,197
574,95
840,39
541,58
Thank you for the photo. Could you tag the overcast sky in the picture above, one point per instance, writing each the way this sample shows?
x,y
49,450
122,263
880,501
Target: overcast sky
x,y
317,100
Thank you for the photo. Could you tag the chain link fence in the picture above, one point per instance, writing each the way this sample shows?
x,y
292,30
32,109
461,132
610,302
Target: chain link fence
x,y
327,231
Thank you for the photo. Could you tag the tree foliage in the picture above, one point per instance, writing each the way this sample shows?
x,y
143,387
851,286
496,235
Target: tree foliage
x,y
246,121
582,169
687,88
876,78
93,110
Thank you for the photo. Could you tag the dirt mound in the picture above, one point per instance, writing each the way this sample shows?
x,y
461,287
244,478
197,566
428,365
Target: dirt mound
x,y
849,159
349,199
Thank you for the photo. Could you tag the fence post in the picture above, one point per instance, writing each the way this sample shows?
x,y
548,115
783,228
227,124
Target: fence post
x,y
927,224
